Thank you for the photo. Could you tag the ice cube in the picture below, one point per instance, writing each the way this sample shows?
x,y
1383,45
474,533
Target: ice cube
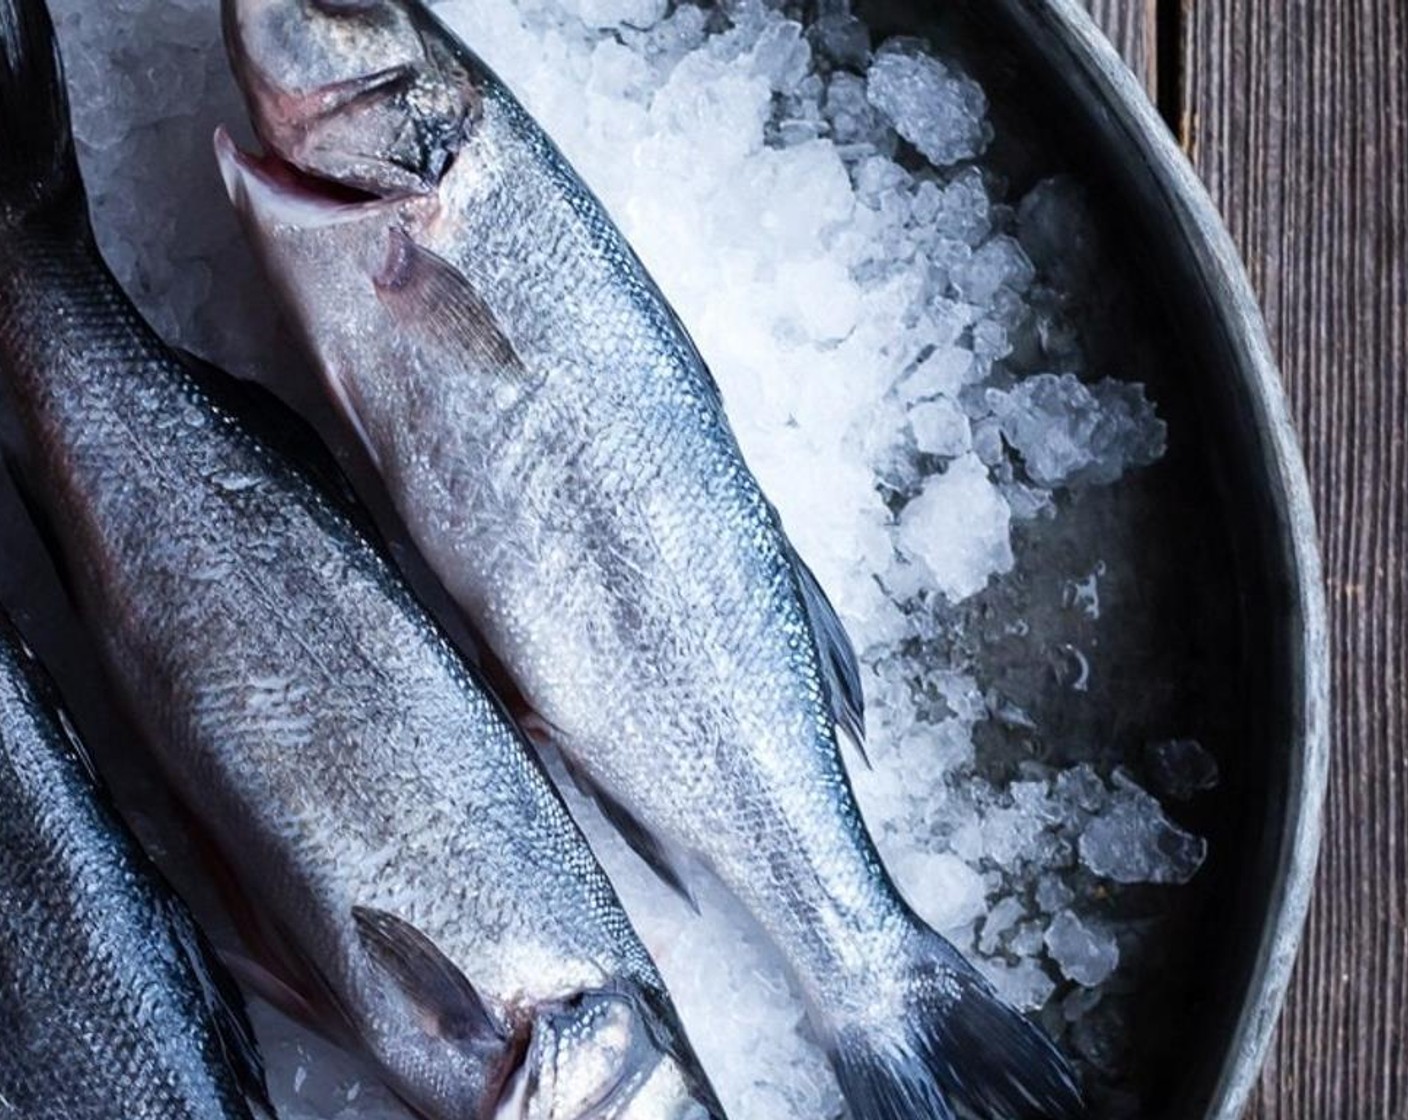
x,y
940,428
944,890
1131,841
938,110
1068,433
958,528
1025,985
1085,954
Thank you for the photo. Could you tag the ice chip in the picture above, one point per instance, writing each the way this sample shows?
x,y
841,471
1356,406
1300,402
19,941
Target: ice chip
x,y
1079,1003
1005,914
958,528
1026,940
853,119
1131,841
987,441
965,208
943,889
1053,894
941,112
782,56
1069,434
1084,953
1081,790
944,371
996,264
1058,231
843,39
940,428
990,342
1025,985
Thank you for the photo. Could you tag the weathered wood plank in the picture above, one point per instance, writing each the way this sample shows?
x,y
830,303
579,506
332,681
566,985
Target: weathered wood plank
x,y
1132,26
1297,112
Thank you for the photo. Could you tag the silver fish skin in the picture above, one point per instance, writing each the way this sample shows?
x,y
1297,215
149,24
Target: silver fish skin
x,y
111,1004
561,454
408,878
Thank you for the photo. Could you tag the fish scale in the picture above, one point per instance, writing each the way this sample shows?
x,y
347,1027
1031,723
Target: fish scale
x,y
105,990
622,563
400,860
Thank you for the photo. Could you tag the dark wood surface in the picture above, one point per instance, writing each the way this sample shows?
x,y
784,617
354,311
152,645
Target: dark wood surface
x,y
1295,113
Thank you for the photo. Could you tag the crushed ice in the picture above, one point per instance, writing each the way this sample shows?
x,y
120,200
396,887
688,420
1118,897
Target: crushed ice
x,y
889,335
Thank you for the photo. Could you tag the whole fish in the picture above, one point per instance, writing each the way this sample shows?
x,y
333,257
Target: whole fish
x,y
111,1004
404,871
559,451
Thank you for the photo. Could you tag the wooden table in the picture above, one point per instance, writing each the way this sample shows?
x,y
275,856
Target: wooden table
x,y
1295,113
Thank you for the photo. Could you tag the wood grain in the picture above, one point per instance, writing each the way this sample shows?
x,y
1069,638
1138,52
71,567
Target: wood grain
x,y
1296,115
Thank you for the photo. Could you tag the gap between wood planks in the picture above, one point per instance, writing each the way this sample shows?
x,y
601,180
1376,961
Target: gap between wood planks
x,y
1150,36
1167,80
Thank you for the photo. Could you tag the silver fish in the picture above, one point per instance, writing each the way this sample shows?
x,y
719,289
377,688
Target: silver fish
x,y
561,455
111,1003
406,874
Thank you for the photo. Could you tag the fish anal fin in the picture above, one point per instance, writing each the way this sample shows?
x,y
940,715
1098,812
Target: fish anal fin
x,y
442,996
226,1006
268,962
436,303
641,840
272,988
839,665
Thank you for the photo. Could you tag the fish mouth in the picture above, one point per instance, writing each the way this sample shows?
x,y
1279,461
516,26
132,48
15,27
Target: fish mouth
x,y
284,194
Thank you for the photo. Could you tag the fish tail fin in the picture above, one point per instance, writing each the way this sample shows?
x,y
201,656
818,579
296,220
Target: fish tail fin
x,y
957,1041
38,170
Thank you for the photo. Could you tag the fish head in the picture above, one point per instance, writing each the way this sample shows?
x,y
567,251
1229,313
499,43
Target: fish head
x,y
371,95
604,1055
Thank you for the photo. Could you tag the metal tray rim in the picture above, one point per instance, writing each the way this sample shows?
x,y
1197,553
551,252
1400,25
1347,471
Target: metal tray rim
x,y
1222,271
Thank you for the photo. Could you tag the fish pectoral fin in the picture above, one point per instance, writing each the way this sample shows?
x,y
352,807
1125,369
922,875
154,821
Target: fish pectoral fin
x,y
839,666
226,1006
642,841
436,304
442,996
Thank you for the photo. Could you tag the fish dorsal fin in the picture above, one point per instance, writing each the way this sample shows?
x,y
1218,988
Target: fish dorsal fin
x,y
226,1006
839,666
260,412
444,999
434,301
